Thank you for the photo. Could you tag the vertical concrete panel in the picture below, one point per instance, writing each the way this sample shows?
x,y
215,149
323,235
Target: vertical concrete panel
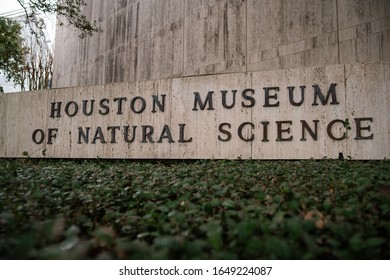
x,y
108,67
295,148
118,116
154,42
348,51
202,40
3,123
13,126
165,149
214,35
355,12
145,18
144,58
62,144
119,64
326,55
147,150
367,49
265,22
97,70
120,27
132,42
297,31
383,8
364,48
385,45
4,104
369,84
203,125
166,51
25,114
362,23
71,126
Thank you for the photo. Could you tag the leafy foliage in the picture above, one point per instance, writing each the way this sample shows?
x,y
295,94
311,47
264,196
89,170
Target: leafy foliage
x,y
33,63
194,210
37,70
70,10
11,49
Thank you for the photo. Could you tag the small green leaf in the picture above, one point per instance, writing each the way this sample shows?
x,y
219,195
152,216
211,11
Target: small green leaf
x,y
214,235
228,204
375,241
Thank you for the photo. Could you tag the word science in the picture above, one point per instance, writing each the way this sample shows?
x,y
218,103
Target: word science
x,y
281,114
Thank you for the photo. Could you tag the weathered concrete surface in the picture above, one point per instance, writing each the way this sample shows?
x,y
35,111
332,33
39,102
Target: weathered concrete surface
x,y
256,119
158,39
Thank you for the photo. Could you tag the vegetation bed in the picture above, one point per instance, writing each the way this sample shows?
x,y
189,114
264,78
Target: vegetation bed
x,y
209,209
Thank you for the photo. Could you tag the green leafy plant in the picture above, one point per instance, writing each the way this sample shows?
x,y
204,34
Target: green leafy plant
x,y
208,209
11,50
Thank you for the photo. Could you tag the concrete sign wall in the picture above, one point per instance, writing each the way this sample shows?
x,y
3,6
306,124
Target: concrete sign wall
x,y
303,113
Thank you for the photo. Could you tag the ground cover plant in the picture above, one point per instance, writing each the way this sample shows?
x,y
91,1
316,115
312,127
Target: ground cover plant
x,y
209,209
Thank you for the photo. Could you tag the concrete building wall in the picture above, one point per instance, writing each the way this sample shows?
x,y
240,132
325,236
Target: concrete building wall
x,y
156,39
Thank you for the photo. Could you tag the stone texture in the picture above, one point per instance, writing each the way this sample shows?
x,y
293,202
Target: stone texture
x,y
361,93
177,47
372,96
156,39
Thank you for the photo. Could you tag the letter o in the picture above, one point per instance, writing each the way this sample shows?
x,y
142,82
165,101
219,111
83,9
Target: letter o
x,y
143,104
41,136
75,110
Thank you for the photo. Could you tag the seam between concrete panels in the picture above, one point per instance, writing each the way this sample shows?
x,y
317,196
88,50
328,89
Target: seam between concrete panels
x,y
338,33
183,39
246,36
348,151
